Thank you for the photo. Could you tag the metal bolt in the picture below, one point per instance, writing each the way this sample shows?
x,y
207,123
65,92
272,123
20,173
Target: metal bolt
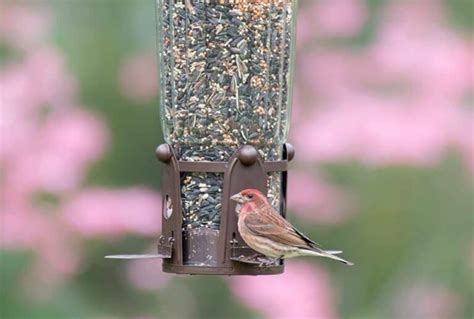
x,y
248,155
163,153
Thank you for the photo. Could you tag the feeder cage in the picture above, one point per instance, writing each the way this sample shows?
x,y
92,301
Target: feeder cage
x,y
226,85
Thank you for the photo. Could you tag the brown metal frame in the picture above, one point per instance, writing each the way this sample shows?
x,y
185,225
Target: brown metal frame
x,y
245,169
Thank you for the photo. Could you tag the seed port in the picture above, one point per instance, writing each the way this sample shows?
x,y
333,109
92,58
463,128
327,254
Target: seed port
x,y
167,207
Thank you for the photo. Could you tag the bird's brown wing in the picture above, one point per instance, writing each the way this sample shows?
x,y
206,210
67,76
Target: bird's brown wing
x,y
271,225
309,241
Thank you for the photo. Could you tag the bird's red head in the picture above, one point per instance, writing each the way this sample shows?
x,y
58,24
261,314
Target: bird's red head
x,y
250,195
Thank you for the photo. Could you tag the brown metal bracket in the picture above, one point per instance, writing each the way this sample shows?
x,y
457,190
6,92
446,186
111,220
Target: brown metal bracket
x,y
165,247
207,251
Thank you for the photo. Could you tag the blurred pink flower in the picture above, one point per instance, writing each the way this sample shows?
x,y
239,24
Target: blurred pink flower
x,y
405,112
304,28
338,17
41,79
303,291
80,135
439,63
39,83
21,226
296,107
138,78
51,82
312,198
23,27
26,228
377,131
47,144
57,153
427,300
102,212
146,274
326,74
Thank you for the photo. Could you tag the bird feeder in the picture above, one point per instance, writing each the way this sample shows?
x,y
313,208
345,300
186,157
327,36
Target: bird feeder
x,y
226,86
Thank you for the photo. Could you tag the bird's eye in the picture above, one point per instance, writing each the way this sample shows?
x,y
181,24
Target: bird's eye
x,y
250,196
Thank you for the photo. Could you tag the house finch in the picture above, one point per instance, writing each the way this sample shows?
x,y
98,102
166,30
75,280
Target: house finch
x,y
266,232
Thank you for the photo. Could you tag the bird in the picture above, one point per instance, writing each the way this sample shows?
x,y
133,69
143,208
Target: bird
x,y
268,233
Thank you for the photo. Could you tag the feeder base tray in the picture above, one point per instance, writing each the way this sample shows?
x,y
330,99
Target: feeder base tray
x,y
243,269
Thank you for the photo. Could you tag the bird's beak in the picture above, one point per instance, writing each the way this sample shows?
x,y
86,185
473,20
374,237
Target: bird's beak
x,y
238,198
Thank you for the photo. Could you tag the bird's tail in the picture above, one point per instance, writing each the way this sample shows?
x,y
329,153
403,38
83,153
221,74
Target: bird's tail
x,y
328,254
334,252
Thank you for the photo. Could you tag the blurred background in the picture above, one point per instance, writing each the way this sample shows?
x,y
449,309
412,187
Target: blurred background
x,y
385,91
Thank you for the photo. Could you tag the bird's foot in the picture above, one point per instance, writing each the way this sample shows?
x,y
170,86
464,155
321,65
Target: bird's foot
x,y
267,262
